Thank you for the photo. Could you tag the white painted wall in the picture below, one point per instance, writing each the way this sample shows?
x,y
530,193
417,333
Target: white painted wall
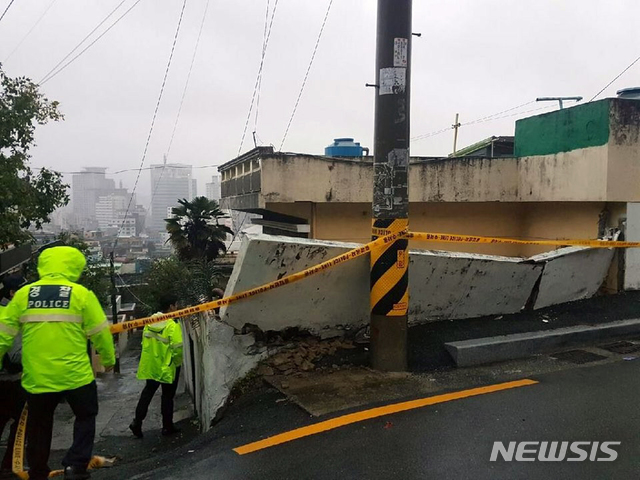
x,y
571,274
632,255
443,285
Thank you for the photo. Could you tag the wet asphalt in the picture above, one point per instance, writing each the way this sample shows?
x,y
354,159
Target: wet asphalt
x,y
450,440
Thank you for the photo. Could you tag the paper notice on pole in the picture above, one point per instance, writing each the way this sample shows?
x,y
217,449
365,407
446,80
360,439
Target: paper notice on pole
x,y
393,80
400,52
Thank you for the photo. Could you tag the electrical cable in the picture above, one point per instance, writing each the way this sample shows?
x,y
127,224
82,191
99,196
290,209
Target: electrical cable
x,y
306,76
90,45
184,92
83,40
124,284
153,121
6,10
258,77
616,78
126,170
487,118
264,45
31,30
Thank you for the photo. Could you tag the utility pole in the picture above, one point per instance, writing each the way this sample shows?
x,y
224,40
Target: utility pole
x,y
114,309
456,125
389,264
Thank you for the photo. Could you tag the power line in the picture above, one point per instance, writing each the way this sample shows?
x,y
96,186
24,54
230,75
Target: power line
x,y
153,121
90,45
126,170
6,10
124,284
186,84
258,77
488,118
82,41
184,92
472,122
31,30
264,45
483,119
616,78
306,76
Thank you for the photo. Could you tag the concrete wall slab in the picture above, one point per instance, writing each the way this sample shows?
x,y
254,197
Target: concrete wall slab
x,y
571,274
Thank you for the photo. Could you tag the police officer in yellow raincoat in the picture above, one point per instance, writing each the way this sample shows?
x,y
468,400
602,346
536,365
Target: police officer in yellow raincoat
x,y
160,363
56,316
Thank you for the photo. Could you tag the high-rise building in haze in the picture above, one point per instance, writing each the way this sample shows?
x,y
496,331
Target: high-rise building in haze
x,y
214,188
112,206
170,182
86,189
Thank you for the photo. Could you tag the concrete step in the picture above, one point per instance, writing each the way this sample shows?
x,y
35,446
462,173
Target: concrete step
x,y
481,351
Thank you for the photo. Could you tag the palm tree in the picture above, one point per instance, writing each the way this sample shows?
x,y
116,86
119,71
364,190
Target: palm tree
x,y
195,231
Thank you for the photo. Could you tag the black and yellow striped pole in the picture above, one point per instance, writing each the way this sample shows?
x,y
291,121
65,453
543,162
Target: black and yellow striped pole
x,y
389,265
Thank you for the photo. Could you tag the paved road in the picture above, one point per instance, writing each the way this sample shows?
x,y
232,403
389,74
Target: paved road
x,y
451,440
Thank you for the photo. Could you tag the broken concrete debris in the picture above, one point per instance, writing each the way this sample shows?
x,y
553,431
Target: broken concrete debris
x,y
300,357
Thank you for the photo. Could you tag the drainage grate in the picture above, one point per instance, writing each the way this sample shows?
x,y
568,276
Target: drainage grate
x,y
578,356
621,347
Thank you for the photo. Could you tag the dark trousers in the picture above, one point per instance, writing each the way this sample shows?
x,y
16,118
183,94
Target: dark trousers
x,y
84,403
166,406
12,400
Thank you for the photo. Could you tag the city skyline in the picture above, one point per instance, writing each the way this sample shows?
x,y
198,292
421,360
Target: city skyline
x,y
108,95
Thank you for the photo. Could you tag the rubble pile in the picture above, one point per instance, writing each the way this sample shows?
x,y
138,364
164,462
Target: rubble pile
x,y
301,356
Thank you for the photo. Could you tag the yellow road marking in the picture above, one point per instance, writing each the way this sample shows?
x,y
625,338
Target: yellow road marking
x,y
374,413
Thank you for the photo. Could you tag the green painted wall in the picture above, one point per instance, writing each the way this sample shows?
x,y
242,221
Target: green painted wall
x,y
563,130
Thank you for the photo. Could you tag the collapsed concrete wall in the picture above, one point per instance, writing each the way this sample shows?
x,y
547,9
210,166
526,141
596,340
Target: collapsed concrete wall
x,y
571,274
216,357
443,285
338,296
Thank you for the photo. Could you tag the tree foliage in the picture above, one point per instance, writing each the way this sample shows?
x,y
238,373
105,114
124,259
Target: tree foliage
x,y
27,198
195,231
192,282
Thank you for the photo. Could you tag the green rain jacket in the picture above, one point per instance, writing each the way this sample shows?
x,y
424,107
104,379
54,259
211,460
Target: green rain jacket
x,y
56,317
161,352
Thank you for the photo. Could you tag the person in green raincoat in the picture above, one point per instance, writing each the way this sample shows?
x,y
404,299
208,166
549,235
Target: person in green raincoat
x,y
160,366
56,315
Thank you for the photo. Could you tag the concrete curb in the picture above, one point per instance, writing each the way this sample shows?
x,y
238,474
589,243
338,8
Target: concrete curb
x,y
480,351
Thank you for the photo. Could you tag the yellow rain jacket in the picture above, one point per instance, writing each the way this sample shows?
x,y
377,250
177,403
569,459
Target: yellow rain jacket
x,y
161,351
56,317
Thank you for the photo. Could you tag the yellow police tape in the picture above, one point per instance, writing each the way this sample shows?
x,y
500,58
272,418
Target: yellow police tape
x,y
184,312
17,461
449,238
96,462
355,253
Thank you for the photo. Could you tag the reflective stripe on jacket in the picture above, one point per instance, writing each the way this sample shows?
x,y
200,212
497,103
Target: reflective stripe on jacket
x,y
161,351
56,316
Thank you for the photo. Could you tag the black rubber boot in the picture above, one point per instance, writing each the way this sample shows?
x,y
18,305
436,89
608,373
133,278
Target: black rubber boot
x,y
76,473
170,430
136,429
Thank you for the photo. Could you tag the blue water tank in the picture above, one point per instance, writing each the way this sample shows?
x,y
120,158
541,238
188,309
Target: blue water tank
x,y
345,147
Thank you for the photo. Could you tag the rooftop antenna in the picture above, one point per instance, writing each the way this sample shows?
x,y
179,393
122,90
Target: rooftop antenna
x,y
560,100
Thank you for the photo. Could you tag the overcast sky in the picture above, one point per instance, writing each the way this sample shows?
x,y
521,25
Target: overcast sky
x,y
475,57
